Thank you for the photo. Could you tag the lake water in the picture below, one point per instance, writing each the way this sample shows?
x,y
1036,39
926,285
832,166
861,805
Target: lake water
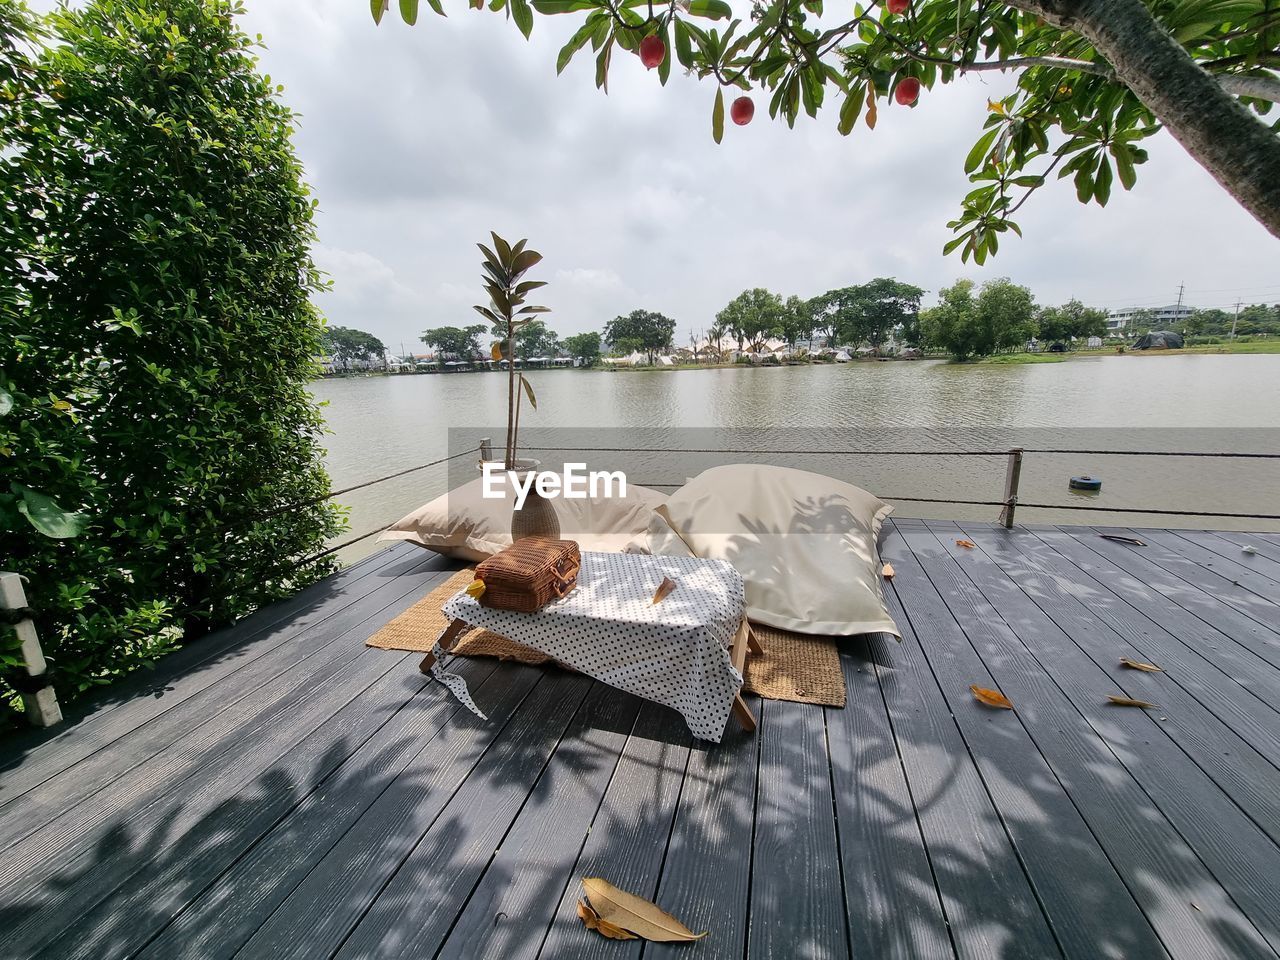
x,y
841,416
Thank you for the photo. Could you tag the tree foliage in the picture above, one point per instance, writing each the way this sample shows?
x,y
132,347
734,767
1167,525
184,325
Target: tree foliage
x,y
156,336
347,345
752,317
647,330
1095,79
584,347
456,343
1000,317
534,340
1072,320
869,312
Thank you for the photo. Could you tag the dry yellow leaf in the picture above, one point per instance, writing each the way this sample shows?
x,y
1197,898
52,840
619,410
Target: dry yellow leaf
x,y
635,914
992,698
967,544
495,351
887,570
475,589
664,588
1129,702
592,921
1139,665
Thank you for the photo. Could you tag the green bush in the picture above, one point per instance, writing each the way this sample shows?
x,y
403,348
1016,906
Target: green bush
x,y
157,334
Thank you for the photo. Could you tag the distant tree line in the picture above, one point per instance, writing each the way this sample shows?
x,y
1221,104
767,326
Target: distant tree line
x,y
347,347
1254,320
968,322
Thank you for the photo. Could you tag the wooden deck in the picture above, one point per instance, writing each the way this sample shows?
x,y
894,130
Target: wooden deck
x,y
283,791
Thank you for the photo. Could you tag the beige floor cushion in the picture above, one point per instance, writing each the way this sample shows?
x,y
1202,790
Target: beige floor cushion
x,y
805,544
464,524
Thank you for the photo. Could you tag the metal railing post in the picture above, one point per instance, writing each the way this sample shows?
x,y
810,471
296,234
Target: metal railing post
x,y
41,702
1012,475
486,449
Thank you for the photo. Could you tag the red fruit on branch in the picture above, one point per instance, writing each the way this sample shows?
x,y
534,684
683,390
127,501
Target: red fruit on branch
x,y
908,91
652,51
742,111
897,6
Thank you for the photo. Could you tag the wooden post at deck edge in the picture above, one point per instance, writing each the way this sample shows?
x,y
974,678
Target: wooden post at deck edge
x,y
1011,478
41,705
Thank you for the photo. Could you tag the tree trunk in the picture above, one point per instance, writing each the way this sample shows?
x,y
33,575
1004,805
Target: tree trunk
x,y
1215,128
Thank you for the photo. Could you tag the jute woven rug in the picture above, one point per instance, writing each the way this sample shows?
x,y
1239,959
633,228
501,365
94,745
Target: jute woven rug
x,y
796,667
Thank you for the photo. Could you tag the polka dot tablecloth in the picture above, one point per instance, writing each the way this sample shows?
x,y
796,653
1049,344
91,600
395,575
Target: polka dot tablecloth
x,y
675,652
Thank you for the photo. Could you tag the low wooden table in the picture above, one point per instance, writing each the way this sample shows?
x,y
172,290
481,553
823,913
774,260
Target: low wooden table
x,y
687,652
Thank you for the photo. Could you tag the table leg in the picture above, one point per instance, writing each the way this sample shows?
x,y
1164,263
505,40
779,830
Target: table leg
x,y
450,634
753,645
742,640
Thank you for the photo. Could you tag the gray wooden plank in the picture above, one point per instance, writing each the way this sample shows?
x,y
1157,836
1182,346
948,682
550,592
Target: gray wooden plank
x,y
416,909
23,746
892,900
707,873
1258,562
73,880
149,761
508,912
387,800
1264,546
1203,603
1246,669
628,838
953,629
1240,588
201,842
795,846
321,910
174,685
1236,763
1241,861
989,902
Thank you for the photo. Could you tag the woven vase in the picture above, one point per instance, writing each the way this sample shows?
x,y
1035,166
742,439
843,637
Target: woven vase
x,y
537,518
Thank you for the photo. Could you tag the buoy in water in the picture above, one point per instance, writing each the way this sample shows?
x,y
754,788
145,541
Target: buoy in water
x,y
1085,483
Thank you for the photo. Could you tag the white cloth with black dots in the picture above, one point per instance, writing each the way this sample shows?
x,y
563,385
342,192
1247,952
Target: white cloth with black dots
x,y
675,652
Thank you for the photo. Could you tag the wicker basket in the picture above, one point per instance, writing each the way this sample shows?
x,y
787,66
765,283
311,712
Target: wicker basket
x,y
529,574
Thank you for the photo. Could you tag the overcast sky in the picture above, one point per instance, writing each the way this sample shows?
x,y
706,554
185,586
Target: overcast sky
x,y
419,140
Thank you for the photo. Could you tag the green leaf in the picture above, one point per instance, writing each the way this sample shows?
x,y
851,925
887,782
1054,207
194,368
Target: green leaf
x,y
717,117
46,516
664,68
437,7
522,15
711,9
1124,166
6,401
576,43
553,7
1102,183
851,110
980,149
602,65
409,11
376,8
528,389
684,45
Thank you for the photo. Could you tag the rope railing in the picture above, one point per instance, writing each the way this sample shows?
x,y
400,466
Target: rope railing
x,y
1008,504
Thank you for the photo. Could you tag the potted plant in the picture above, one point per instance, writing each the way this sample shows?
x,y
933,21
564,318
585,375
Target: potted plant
x,y
504,266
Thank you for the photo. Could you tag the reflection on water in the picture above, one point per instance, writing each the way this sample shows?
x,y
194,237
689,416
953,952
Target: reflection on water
x,y
1221,403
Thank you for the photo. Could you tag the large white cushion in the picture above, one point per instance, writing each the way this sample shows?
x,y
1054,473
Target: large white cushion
x,y
464,524
805,544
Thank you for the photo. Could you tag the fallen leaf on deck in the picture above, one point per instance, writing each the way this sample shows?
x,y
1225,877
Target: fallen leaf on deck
x,y
992,698
635,914
1129,702
1134,541
967,544
592,921
887,570
1139,665
664,588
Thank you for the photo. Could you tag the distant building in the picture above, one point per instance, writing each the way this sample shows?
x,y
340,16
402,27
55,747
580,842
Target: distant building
x,y
1172,316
